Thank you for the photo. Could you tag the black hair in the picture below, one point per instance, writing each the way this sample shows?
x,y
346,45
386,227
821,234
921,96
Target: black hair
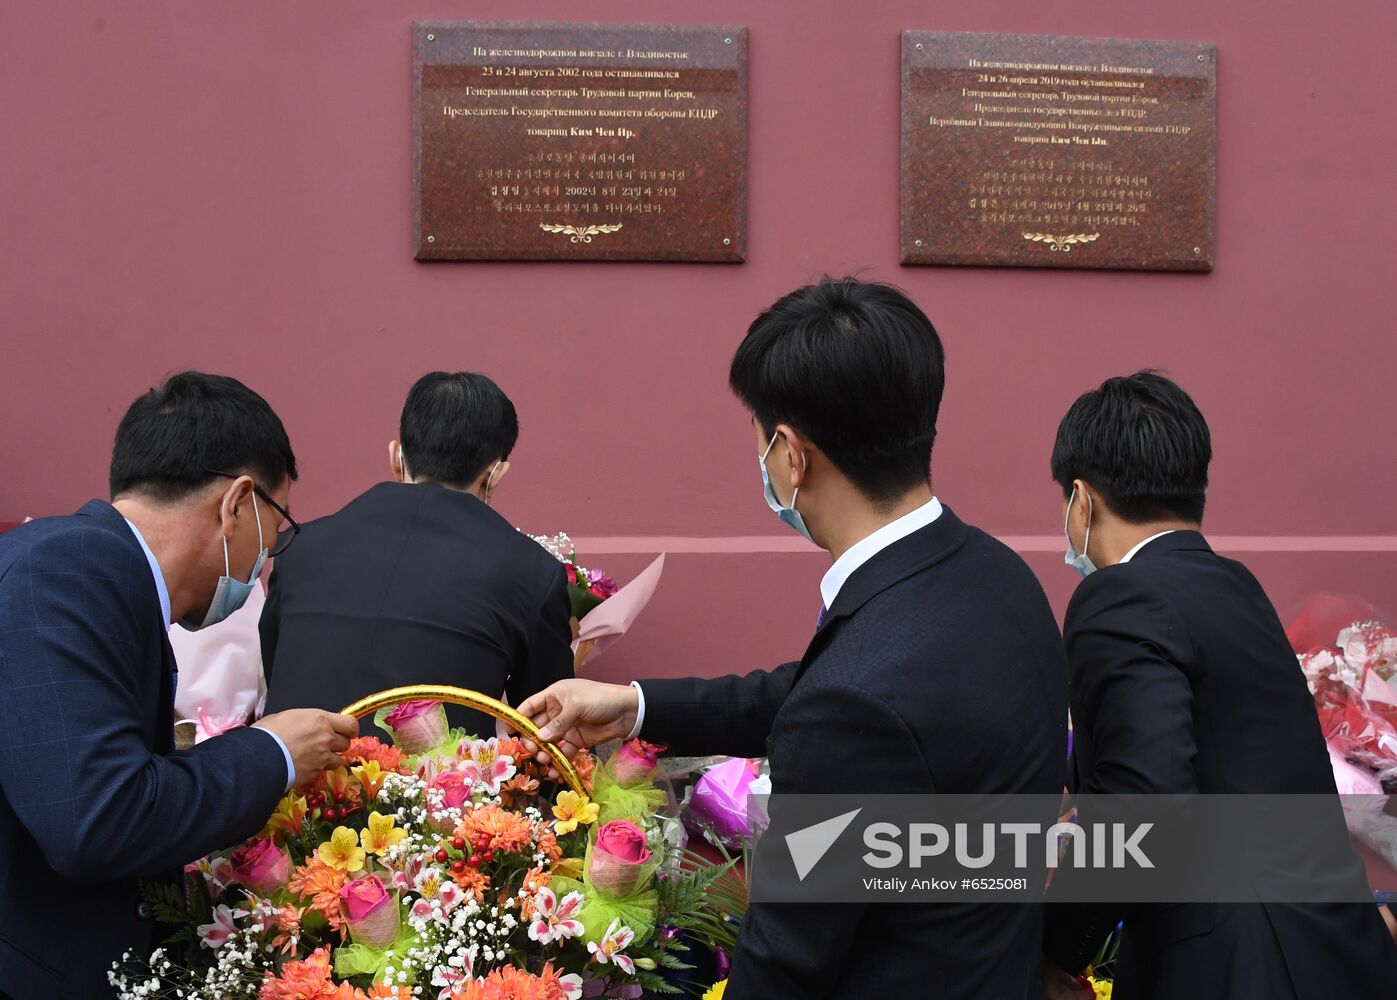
x,y
176,436
454,425
856,367
1142,443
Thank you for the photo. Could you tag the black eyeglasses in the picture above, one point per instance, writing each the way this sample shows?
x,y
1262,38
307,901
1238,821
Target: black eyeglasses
x,y
283,538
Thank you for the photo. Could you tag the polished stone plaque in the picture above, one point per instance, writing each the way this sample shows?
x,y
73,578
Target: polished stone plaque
x,y
1041,151
579,141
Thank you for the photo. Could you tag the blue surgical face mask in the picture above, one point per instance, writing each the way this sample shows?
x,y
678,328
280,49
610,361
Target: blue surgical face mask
x,y
231,594
788,515
1079,561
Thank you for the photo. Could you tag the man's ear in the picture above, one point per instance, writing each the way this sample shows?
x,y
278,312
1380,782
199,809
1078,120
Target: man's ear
x,y
1084,504
795,450
492,484
395,461
230,501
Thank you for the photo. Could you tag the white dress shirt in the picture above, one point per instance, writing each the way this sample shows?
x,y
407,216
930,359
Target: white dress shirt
x,y
1131,554
844,567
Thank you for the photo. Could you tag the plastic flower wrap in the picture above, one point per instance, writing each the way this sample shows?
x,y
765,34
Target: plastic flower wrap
x,y
624,786
263,866
417,726
1353,679
718,806
370,911
452,872
602,611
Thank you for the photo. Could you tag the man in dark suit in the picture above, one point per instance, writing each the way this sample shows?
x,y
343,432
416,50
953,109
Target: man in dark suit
x,y
937,666
419,581
93,795
1182,681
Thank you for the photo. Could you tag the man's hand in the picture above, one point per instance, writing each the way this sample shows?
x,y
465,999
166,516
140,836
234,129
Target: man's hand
x,y
577,713
315,738
1059,985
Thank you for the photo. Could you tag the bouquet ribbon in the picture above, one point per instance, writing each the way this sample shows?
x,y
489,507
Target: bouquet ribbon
x,y
470,699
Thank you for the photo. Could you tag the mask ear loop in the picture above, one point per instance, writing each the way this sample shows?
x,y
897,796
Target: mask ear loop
x,y
803,463
1067,517
1086,542
490,490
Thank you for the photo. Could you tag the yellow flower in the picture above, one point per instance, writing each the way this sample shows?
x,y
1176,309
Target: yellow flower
x,y
289,817
370,775
716,991
1102,988
573,809
380,834
343,851
568,868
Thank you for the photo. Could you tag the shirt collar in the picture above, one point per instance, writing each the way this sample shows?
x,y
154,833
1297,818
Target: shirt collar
x,y
866,549
1140,545
155,572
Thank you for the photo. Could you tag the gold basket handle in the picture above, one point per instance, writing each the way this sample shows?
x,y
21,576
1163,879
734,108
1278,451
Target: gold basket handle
x,y
477,701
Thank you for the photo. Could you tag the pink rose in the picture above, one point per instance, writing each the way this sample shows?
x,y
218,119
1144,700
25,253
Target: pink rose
x,y
417,726
616,865
455,788
371,912
635,761
262,866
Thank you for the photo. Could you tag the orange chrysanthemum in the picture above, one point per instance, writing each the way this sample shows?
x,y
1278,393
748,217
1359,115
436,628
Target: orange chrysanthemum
x,y
321,884
382,991
510,983
363,749
507,831
520,785
473,882
306,979
287,929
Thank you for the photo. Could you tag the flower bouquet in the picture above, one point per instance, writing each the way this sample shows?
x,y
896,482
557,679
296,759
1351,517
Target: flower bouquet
x,y
438,866
1353,679
601,611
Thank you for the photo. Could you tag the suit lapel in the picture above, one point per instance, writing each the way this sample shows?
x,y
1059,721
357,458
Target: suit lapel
x,y
162,731
901,560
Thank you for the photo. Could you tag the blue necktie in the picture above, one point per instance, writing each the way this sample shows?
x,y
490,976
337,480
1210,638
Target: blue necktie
x,y
820,620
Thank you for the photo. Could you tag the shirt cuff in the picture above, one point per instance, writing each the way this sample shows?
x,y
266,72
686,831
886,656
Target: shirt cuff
x,y
290,764
639,711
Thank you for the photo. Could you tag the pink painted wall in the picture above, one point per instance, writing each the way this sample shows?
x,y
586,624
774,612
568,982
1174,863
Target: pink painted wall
x,y
227,186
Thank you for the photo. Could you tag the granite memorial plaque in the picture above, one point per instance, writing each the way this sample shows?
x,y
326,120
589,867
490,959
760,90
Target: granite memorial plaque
x,y
579,142
1041,151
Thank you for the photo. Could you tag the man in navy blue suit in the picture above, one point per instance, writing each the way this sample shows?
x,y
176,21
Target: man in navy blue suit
x,y
1183,683
93,795
936,667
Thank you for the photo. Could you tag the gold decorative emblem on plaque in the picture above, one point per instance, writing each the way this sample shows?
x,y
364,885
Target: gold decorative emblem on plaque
x,y
1061,243
579,234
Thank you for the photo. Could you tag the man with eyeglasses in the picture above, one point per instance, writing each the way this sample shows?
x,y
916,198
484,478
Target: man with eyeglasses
x,y
93,795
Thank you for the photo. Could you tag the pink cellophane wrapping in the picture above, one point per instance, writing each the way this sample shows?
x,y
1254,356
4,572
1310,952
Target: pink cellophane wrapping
x,y
719,801
221,684
610,619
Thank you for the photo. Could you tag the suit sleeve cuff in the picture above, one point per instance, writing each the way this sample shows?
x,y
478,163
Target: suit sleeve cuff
x,y
639,711
290,764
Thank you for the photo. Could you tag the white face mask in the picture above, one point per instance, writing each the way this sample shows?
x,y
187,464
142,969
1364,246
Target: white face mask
x,y
1079,561
789,515
231,594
